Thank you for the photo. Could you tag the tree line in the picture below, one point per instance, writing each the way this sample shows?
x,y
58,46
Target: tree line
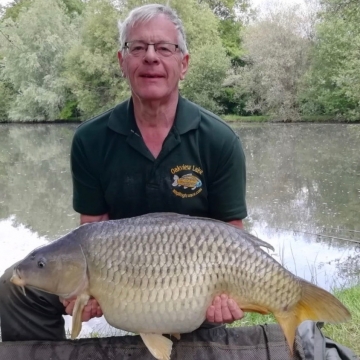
x,y
58,58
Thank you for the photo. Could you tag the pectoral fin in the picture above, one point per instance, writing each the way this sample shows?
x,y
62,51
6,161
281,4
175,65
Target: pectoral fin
x,y
158,345
80,303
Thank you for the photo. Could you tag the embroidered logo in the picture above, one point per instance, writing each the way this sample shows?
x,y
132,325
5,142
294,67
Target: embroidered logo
x,y
186,180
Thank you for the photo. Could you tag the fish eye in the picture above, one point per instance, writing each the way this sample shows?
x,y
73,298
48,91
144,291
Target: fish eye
x,y
41,264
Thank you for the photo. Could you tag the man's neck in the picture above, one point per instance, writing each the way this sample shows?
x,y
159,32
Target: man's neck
x,y
155,114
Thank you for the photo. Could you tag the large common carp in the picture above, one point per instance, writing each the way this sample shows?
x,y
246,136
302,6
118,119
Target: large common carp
x,y
158,273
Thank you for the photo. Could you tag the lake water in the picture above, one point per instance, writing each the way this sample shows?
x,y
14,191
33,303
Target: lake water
x,y
303,195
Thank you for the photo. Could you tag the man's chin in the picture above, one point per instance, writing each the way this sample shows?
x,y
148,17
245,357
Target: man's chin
x,y
152,95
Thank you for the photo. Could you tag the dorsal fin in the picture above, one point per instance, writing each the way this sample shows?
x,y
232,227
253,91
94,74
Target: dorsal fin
x,y
256,241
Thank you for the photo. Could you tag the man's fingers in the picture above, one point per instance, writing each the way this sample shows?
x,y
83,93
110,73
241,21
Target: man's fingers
x,y
99,312
225,311
91,309
213,313
210,313
70,307
218,316
236,312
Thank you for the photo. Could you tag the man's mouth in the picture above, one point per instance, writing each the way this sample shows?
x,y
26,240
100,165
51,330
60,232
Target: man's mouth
x,y
151,76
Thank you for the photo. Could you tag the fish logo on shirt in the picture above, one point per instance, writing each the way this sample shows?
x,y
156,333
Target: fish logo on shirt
x,y
187,181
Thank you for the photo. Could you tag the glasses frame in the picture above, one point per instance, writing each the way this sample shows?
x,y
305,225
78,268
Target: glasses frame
x,y
127,43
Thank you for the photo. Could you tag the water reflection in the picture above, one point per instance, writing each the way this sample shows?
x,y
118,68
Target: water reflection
x,y
304,176
35,183
302,180
315,258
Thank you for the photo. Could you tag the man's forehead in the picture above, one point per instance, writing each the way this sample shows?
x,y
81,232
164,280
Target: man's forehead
x,y
159,28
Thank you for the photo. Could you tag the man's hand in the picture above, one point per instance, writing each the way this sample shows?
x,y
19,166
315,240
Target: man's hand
x,y
92,308
223,310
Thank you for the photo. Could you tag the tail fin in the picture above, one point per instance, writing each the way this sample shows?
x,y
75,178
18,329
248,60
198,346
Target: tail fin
x,y
176,178
316,304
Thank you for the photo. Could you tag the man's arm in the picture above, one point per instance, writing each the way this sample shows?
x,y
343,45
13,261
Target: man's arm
x,y
84,219
238,223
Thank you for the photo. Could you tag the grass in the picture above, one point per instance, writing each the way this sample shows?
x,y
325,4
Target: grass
x,y
238,118
304,119
347,334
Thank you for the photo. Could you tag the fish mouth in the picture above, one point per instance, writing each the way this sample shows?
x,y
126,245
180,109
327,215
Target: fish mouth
x,y
16,278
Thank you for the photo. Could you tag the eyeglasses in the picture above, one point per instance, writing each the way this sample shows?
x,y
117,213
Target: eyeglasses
x,y
139,48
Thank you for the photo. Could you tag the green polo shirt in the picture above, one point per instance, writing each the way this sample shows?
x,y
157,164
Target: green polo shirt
x,y
200,170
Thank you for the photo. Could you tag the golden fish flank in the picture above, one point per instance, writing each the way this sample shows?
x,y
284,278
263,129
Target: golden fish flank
x,y
187,181
158,273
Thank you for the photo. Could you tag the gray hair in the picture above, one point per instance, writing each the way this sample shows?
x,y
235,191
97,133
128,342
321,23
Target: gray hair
x,y
148,12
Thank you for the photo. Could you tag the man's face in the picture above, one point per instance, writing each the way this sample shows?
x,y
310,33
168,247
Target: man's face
x,y
152,76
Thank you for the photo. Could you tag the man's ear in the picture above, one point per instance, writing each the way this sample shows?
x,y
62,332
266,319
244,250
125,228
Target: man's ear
x,y
121,63
184,66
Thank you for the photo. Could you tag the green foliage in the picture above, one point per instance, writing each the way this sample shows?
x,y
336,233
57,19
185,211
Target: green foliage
x,y
74,6
229,31
229,25
227,9
332,84
92,70
231,118
203,83
6,97
32,59
69,111
277,58
58,57
13,10
231,101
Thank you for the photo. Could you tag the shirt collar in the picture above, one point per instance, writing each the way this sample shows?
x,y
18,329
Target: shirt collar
x,y
122,119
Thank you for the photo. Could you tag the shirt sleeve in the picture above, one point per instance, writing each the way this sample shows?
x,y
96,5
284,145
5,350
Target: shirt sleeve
x,y
88,196
228,187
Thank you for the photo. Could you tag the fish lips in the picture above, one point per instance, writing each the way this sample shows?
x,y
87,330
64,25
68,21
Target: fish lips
x,y
16,278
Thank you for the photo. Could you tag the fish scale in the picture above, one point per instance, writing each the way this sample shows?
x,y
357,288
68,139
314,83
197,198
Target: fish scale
x,y
158,273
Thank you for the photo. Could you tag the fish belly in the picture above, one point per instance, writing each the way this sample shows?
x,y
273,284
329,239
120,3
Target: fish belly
x,y
163,310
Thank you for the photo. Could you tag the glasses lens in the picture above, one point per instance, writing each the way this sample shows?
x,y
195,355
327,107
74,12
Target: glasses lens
x,y
139,48
165,49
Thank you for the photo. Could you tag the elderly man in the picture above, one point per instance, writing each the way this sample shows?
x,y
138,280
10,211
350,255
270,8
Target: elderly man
x,y
155,152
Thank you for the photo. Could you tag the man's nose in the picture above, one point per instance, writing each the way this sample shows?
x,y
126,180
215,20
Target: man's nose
x,y
150,54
